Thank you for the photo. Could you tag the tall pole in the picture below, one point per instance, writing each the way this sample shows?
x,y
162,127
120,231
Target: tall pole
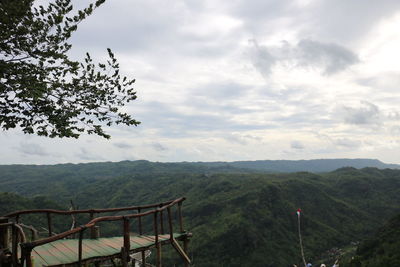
x,y
300,239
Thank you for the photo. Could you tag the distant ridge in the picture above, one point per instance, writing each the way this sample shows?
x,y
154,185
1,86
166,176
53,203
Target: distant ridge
x,y
314,165
112,169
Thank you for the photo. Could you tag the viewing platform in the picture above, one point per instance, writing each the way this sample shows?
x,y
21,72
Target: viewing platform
x,y
83,244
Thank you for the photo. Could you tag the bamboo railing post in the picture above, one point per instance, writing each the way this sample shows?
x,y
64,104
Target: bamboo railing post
x,y
49,223
158,244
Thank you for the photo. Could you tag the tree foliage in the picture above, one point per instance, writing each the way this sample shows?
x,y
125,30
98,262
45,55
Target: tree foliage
x,y
42,90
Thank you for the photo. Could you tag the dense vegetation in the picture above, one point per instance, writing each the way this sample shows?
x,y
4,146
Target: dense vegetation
x,y
237,218
382,249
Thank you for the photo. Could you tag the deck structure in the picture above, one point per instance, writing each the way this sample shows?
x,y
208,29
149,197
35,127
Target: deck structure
x,y
82,244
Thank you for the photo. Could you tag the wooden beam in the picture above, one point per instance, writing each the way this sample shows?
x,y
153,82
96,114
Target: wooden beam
x,y
178,248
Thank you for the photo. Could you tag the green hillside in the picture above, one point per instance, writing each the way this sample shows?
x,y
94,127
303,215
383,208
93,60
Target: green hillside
x,y
237,218
382,249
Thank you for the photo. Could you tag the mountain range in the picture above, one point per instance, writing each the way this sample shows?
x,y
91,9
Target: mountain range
x,y
239,216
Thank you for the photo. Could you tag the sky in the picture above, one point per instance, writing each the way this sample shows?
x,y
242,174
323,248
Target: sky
x,y
240,80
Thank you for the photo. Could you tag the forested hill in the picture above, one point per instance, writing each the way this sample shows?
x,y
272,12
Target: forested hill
x,y
112,169
237,218
33,179
315,165
382,249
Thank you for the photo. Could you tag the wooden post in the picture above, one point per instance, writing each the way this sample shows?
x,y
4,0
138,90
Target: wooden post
x,y
144,258
162,222
96,231
4,233
14,245
49,223
93,230
26,254
34,234
157,244
124,257
174,243
23,252
95,234
140,223
127,241
80,247
141,233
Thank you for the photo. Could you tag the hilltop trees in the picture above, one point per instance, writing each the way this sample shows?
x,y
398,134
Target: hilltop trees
x,y
42,90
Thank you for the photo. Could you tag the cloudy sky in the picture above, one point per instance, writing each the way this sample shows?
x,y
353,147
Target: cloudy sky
x,y
241,80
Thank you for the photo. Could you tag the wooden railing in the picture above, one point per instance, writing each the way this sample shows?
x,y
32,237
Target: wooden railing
x,y
17,234
157,211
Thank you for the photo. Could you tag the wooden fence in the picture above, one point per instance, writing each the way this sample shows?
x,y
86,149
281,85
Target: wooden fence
x,y
157,213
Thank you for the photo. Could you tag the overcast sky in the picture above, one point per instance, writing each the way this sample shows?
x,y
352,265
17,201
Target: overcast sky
x,y
241,80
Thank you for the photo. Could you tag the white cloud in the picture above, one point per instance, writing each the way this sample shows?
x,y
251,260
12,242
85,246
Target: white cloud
x,y
123,145
296,145
32,149
328,58
365,113
205,92
87,155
